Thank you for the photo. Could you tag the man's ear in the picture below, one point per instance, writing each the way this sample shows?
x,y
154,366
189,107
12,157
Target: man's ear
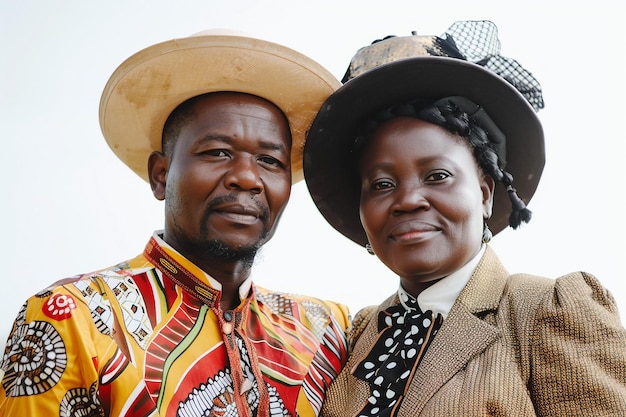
x,y
158,165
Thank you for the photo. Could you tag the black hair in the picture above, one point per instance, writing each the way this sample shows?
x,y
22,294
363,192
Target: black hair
x,y
178,118
449,116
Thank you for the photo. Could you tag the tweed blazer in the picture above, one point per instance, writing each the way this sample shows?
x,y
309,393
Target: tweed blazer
x,y
512,345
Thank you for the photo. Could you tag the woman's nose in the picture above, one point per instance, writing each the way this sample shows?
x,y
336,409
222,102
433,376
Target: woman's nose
x,y
410,197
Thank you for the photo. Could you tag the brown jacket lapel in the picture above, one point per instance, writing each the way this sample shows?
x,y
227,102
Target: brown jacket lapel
x,y
463,334
366,332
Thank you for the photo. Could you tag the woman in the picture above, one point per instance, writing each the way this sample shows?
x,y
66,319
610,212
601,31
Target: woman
x,y
421,156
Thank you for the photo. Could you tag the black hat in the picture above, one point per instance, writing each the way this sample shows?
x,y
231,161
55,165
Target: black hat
x,y
400,69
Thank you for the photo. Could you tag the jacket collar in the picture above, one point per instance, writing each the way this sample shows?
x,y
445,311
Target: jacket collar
x,y
463,335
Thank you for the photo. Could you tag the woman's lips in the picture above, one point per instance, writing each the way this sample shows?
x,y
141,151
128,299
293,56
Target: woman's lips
x,y
412,231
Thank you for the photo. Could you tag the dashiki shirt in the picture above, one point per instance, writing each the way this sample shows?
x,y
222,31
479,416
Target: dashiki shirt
x,y
148,338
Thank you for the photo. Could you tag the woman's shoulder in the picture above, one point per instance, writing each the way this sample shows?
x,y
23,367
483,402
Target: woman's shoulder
x,y
575,284
574,294
360,321
364,317
571,337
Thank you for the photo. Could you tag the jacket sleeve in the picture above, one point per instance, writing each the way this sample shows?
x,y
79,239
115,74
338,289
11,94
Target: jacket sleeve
x,y
578,351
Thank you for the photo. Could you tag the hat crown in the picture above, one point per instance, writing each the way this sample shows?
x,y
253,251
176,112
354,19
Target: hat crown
x,y
474,41
390,49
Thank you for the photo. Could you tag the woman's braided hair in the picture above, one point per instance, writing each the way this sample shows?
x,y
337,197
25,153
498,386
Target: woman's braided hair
x,y
446,114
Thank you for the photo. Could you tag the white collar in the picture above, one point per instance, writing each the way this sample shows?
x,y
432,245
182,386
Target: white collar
x,y
440,296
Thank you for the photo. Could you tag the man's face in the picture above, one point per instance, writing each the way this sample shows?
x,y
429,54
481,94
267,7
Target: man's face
x,y
228,179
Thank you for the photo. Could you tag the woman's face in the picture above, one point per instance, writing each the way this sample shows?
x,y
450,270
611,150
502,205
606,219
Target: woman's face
x,y
423,200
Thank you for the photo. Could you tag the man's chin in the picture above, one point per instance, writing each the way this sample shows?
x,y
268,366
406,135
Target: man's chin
x,y
221,250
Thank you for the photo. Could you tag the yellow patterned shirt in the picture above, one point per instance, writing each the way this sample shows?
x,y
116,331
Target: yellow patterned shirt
x,y
147,338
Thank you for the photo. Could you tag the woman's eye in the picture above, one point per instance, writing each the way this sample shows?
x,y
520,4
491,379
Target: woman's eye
x,y
382,184
437,176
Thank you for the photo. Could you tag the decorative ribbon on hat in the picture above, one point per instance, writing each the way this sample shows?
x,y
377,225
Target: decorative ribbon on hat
x,y
475,41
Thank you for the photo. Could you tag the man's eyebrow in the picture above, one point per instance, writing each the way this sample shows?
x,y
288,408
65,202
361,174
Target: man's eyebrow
x,y
272,146
215,138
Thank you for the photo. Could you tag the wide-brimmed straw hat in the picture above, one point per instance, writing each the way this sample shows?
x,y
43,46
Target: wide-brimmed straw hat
x,y
148,86
399,69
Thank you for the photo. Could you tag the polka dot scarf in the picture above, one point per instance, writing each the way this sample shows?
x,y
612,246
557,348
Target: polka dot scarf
x,y
404,335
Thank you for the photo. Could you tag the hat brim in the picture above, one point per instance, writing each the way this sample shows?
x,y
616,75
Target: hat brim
x,y
148,86
329,174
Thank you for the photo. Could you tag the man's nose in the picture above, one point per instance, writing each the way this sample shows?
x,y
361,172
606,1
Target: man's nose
x,y
244,175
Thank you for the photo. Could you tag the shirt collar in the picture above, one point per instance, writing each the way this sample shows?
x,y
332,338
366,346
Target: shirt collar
x,y
244,288
440,296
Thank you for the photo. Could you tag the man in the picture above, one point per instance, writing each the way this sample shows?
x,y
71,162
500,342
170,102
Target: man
x,y
181,330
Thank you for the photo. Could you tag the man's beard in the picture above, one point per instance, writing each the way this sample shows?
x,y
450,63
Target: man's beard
x,y
215,247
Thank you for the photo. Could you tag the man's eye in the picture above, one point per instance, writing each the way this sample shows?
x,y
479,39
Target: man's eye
x,y
219,153
269,160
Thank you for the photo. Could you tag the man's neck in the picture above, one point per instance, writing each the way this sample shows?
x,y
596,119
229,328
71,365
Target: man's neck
x,y
228,272
231,274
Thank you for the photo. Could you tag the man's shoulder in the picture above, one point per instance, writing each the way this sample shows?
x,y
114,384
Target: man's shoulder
x,y
273,297
290,304
125,270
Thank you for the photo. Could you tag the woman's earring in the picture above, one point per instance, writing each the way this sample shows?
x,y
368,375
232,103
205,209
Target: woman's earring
x,y
369,249
487,235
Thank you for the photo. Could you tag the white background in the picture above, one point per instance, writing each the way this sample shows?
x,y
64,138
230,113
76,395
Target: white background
x,y
69,206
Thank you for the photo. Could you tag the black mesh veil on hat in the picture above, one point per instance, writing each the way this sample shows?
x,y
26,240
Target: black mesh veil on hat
x,y
464,66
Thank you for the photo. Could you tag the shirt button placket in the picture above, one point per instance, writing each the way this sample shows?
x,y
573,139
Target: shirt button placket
x,y
227,327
